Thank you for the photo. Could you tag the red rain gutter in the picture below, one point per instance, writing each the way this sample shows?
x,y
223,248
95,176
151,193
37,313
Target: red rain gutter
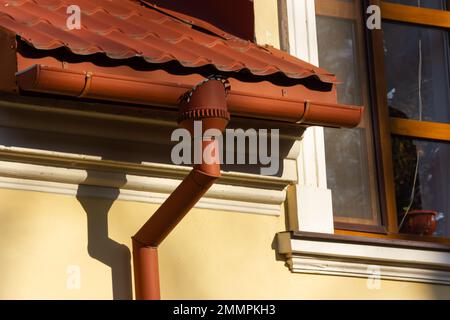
x,y
72,83
207,103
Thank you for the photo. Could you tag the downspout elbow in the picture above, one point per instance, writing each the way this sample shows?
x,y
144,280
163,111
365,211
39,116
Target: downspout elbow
x,y
206,103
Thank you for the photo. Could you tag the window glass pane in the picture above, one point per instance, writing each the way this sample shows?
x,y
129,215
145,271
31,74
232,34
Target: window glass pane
x,y
336,41
349,152
422,181
348,175
431,4
417,72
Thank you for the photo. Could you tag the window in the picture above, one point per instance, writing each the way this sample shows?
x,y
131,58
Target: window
x,y
392,172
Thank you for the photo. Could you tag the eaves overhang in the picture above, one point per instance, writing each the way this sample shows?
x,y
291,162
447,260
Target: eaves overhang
x,y
130,51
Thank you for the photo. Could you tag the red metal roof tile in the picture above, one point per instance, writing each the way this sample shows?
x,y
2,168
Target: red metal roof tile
x,y
123,29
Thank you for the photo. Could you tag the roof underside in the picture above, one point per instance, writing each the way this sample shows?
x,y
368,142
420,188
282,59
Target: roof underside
x,y
130,29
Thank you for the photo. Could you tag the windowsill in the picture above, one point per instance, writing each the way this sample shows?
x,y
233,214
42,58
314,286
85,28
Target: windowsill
x,y
407,240
355,256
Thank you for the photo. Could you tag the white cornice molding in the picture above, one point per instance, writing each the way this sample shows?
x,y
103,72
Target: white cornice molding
x,y
309,265
88,162
111,147
98,130
22,176
392,262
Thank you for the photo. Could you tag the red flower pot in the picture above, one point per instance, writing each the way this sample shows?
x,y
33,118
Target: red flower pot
x,y
420,222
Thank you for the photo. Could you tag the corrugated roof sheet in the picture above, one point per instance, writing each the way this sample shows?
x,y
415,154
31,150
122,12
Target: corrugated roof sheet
x,y
123,29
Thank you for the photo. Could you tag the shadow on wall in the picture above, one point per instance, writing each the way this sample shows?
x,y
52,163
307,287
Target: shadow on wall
x,y
100,247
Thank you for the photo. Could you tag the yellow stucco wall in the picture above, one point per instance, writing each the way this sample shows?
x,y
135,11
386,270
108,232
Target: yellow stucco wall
x,y
266,22
210,255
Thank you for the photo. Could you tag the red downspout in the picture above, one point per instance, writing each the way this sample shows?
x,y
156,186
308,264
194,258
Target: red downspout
x,y
205,103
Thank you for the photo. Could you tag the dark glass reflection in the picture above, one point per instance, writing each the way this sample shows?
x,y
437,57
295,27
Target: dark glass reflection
x,y
422,179
417,71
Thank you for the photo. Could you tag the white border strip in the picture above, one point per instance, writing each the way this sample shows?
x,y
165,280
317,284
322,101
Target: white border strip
x,y
381,254
362,270
314,207
359,260
81,160
21,176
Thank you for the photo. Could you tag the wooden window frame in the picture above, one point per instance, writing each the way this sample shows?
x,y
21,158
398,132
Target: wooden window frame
x,y
385,126
336,9
415,15
420,129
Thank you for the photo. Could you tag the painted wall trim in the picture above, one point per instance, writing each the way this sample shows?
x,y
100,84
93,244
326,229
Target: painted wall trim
x,y
18,120
88,162
310,265
21,176
360,260
311,197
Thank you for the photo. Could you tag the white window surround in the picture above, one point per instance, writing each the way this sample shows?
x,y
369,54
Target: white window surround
x,y
311,197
